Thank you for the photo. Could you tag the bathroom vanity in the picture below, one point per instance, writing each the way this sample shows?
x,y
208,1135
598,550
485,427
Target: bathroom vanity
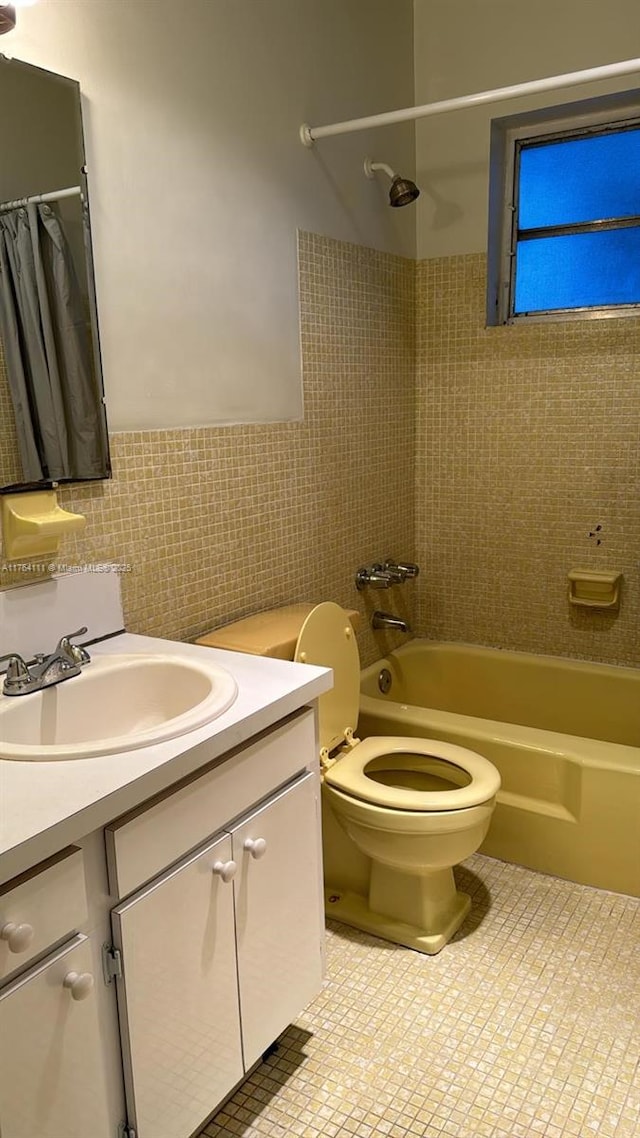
x,y
161,917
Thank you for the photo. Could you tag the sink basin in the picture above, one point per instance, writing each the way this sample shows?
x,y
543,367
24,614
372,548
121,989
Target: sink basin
x,y
117,703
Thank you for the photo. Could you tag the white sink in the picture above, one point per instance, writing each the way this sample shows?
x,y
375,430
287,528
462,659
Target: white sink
x,y
117,703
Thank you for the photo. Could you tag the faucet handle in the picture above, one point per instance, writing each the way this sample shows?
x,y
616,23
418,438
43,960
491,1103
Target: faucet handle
x,y
17,668
73,652
17,673
72,635
373,577
406,568
398,575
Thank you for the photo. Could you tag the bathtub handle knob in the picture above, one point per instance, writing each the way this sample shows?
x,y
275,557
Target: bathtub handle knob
x,y
373,577
404,569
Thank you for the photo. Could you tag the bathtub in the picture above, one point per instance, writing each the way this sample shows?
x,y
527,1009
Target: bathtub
x,y
565,736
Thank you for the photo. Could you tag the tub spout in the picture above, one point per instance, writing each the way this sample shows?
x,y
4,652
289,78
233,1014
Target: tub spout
x,y
381,620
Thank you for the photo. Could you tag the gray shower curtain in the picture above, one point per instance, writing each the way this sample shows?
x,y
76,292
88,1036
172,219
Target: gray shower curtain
x,y
59,418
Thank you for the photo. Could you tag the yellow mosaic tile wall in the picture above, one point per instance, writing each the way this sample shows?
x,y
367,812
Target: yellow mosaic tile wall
x,y
528,464
216,523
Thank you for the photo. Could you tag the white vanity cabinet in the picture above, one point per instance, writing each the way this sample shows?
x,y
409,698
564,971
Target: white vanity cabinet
x,y
51,1050
177,997
125,856
52,1071
221,950
51,1062
278,912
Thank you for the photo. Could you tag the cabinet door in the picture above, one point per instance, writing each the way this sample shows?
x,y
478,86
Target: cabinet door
x,y
178,997
279,914
51,1074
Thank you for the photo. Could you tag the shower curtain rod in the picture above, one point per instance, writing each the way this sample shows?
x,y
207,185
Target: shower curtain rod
x,y
310,134
53,196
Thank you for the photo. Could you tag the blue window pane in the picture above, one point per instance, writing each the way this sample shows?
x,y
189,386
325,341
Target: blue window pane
x,y
580,270
584,179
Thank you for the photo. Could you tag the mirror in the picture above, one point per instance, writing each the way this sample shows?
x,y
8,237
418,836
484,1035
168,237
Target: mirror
x,y
52,417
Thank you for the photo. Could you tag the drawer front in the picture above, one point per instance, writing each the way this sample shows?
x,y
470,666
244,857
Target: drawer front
x,y
143,843
41,907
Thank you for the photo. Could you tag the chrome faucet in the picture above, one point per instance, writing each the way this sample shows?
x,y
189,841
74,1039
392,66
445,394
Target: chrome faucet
x,y
373,577
401,570
381,620
74,653
383,576
18,679
65,661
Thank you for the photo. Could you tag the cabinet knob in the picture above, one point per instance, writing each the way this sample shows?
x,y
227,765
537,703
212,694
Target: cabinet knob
x,y
225,869
18,937
79,984
257,847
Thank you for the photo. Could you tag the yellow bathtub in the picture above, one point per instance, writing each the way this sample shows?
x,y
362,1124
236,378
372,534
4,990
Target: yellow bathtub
x,y
564,734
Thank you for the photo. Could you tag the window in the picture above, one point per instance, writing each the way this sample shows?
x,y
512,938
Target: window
x,y
564,220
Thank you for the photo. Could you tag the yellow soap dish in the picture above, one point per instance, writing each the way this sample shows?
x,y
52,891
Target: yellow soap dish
x,y
33,523
590,588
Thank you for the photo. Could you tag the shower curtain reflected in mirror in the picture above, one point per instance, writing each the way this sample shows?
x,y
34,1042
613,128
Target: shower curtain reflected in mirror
x,y
46,333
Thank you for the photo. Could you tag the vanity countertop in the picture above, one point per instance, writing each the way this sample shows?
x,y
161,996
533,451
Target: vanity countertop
x,y
45,806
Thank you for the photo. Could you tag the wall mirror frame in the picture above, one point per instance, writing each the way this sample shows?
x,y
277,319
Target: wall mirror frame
x,y
53,426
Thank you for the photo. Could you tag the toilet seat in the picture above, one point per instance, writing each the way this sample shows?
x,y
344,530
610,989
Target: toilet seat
x,y
349,774
327,639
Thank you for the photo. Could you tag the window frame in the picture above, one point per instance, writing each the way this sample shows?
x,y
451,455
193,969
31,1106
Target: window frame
x,y
508,136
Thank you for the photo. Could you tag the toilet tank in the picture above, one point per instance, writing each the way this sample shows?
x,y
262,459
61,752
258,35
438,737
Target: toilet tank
x,y
272,633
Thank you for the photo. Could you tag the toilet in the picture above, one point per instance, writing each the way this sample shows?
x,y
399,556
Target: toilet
x,y
414,808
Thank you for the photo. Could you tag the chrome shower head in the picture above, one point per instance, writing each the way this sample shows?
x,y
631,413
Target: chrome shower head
x,y
402,191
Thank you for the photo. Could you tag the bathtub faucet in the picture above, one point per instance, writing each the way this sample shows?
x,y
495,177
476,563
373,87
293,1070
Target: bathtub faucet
x,y
400,570
382,620
373,577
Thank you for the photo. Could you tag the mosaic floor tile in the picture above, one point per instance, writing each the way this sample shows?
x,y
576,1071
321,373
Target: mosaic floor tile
x,y
527,1024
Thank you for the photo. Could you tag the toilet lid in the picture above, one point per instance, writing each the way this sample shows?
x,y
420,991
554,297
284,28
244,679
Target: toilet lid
x,y
467,779
327,639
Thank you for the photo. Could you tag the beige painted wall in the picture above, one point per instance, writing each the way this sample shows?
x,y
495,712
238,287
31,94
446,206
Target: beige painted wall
x,y
198,182
462,46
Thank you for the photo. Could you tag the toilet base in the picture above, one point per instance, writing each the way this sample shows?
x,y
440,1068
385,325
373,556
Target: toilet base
x,y
352,909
